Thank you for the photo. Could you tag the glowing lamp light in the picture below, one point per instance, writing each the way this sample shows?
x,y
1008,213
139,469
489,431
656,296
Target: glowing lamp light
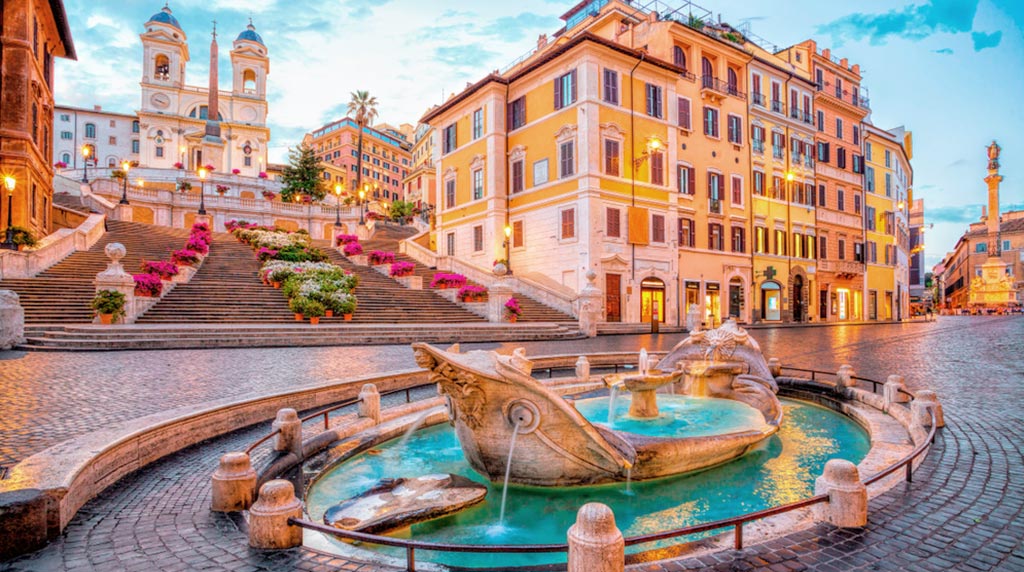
x,y
900,205
126,166
790,177
508,231
337,189
9,182
362,194
202,173
654,144
85,151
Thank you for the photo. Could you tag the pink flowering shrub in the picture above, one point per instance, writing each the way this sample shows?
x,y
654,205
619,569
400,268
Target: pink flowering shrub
x,y
401,268
235,171
263,175
447,280
471,291
512,308
148,285
162,268
381,257
185,257
353,249
265,254
345,239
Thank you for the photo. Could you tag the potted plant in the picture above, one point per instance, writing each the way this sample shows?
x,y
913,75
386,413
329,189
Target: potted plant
x,y
22,238
184,186
298,307
209,168
401,268
343,303
148,285
108,305
512,310
269,195
381,257
221,189
343,239
353,249
236,171
179,165
185,257
263,175
472,293
162,268
60,165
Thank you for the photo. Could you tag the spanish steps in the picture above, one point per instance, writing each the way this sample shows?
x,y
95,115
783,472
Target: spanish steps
x,y
226,290
63,292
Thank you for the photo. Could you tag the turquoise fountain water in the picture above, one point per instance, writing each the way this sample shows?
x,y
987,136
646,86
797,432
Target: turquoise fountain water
x,y
781,471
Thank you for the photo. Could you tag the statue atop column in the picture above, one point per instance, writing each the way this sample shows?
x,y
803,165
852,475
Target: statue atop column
x,y
993,156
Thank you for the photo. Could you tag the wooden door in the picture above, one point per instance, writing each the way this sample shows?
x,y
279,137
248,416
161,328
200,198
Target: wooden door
x,y
613,297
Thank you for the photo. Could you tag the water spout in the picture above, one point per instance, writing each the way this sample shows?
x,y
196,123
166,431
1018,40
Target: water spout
x,y
413,428
508,469
643,361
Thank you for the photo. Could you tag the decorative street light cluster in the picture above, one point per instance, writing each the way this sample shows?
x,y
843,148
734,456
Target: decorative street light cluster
x,y
202,190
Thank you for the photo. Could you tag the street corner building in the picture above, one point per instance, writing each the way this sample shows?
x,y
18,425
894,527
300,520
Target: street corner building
x,y
700,172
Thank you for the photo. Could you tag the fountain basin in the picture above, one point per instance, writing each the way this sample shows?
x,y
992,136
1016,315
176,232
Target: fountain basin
x,y
643,387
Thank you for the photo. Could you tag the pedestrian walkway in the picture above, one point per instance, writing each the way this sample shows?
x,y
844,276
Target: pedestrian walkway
x,y
964,511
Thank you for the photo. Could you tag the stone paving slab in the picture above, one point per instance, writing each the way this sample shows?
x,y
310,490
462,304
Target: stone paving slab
x,y
963,511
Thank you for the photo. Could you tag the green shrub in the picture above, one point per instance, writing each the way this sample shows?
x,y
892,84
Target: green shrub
x,y
109,302
22,237
307,307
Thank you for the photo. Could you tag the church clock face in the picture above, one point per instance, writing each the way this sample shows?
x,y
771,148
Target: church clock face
x,y
160,100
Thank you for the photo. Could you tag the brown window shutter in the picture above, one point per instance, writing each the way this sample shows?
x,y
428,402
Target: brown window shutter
x,y
558,93
572,83
692,175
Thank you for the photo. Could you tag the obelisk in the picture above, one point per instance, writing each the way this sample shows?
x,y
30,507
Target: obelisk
x,y
213,143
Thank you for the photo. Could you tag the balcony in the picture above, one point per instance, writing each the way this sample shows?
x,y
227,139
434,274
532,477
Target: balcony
x,y
778,152
757,145
841,267
758,99
794,113
808,118
714,206
778,106
711,83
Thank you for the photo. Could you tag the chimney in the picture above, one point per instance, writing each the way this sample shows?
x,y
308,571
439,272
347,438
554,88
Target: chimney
x,y
856,69
97,108
984,211
542,40
845,63
826,53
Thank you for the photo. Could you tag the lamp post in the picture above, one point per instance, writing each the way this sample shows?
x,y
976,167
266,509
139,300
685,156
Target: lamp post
x,y
337,205
125,167
508,247
202,190
362,197
8,244
85,163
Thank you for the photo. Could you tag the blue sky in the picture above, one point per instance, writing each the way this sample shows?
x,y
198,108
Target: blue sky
x,y
949,70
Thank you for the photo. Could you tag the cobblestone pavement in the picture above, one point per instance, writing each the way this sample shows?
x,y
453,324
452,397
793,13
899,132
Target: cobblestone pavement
x,y
964,511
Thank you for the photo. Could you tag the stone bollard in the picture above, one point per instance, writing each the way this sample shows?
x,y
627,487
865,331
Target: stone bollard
x,y
595,543
775,367
233,483
892,391
923,401
268,517
290,436
12,320
844,378
847,505
583,368
369,403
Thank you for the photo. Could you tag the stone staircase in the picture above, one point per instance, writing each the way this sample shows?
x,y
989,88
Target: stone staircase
x,y
62,293
386,238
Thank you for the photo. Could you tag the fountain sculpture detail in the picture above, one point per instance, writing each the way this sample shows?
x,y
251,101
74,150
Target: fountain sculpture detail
x,y
492,397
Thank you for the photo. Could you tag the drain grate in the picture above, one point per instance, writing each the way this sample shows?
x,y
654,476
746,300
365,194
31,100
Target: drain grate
x,y
4,469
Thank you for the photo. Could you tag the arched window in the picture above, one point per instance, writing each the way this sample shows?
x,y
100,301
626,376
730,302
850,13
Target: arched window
x,y
111,162
203,112
733,82
135,126
161,68
90,130
249,82
66,158
679,57
708,79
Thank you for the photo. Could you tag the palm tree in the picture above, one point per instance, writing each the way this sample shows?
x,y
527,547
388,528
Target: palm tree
x,y
364,108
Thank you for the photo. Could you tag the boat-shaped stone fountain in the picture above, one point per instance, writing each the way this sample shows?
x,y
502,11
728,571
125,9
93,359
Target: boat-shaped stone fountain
x,y
513,427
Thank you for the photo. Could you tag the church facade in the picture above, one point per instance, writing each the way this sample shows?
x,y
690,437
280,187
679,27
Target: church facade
x,y
176,118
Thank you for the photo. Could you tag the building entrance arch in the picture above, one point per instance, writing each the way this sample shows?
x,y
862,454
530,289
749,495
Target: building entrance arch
x,y
652,299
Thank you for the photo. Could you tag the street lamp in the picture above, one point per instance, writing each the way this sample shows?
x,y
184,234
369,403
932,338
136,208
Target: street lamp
x,y
9,183
125,167
337,205
653,145
202,190
362,197
508,246
85,162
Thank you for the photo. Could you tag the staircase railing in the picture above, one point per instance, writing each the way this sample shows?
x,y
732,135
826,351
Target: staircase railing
x,y
51,249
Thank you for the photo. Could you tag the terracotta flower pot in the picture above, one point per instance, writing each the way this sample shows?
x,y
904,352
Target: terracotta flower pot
x,y
512,319
106,319
276,285
330,313
298,317
314,320
348,317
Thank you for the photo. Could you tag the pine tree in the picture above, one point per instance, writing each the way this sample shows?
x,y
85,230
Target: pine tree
x,y
304,175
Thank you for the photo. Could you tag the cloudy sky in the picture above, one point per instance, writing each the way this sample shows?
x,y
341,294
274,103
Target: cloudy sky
x,y
950,70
